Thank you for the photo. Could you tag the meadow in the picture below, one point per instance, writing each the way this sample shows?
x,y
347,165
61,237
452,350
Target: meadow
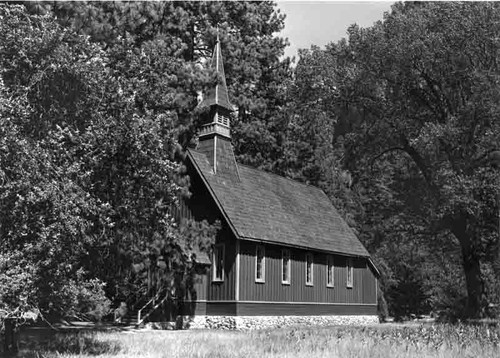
x,y
386,340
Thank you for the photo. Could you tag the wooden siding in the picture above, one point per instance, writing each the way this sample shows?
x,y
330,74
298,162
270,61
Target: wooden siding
x,y
204,288
283,309
200,285
363,291
221,308
194,308
225,290
273,309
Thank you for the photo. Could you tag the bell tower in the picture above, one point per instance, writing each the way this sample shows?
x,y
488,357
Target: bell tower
x,y
215,136
217,99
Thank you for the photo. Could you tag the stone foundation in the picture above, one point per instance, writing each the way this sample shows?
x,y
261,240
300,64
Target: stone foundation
x,y
261,322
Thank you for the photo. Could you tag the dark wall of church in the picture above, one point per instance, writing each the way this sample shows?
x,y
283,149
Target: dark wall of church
x,y
363,289
203,207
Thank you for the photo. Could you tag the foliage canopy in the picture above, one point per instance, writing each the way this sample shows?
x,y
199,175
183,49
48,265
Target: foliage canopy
x,y
415,106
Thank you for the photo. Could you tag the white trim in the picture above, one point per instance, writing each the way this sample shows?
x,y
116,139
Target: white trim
x,y
217,54
305,248
289,268
214,263
237,279
370,261
330,270
309,283
215,154
263,271
288,303
234,158
349,273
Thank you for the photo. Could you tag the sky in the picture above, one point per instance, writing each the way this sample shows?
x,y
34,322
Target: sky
x,y
320,22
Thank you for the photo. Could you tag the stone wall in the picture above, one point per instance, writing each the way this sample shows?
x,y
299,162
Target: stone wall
x,y
260,322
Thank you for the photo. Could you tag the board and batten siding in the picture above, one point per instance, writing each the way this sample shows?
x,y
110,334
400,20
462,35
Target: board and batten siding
x,y
273,290
200,285
205,290
225,290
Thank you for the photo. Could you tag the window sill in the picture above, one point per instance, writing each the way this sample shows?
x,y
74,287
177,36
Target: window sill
x,y
310,284
260,281
330,286
286,283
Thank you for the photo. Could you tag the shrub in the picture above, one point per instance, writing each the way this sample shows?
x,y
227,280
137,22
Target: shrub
x,y
80,298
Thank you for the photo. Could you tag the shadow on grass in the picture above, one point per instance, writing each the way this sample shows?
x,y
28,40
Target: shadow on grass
x,y
49,343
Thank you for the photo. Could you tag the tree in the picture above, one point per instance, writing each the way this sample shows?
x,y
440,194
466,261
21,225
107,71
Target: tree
x,y
43,208
313,143
424,81
87,166
256,76
108,92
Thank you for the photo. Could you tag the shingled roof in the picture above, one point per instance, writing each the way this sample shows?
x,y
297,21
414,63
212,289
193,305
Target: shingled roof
x,y
270,208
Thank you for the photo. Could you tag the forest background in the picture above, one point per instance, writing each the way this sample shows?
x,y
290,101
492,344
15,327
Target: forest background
x,y
397,123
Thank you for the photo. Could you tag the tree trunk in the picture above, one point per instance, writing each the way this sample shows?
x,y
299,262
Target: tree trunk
x,y
11,335
474,282
472,269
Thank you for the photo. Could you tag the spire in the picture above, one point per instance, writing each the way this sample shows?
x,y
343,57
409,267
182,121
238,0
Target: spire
x,y
215,134
218,95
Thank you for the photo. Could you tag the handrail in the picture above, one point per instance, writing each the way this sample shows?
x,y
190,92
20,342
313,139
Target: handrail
x,y
139,321
147,304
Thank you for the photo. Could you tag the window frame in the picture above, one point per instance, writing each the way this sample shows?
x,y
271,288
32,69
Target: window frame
x,y
349,273
222,252
330,271
288,269
311,282
263,270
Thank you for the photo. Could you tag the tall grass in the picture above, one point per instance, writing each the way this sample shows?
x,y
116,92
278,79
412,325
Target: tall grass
x,y
441,341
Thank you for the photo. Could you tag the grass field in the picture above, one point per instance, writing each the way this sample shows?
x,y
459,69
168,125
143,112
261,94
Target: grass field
x,y
375,341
